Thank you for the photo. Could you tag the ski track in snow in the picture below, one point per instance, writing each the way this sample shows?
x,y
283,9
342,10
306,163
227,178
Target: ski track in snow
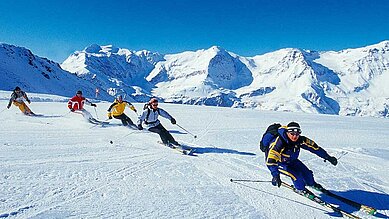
x,y
63,167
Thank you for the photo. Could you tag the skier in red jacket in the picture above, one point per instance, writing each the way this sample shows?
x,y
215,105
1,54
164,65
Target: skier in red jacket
x,y
76,105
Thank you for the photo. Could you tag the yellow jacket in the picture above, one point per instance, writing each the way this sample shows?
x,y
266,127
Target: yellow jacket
x,y
117,108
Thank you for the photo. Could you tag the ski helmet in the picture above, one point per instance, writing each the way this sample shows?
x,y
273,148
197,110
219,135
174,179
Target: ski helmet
x,y
79,92
119,97
17,88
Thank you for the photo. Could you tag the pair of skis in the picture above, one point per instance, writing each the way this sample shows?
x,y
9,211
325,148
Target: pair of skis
x,y
313,197
359,206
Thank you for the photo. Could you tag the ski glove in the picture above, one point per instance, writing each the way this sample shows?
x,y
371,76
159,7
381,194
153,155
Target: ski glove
x,y
332,160
72,110
276,181
9,105
173,121
133,108
94,105
109,117
29,101
140,127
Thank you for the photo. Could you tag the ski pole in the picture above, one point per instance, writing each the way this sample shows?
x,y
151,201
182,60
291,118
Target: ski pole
x,y
3,110
121,137
195,136
344,153
248,180
66,113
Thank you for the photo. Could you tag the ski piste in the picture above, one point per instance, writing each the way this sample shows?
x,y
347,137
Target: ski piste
x,y
364,208
186,151
318,200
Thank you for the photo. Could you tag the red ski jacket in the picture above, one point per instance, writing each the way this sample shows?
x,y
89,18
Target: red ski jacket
x,y
77,103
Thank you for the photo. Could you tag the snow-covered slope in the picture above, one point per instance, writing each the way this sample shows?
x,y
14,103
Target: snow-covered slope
x,y
19,67
58,166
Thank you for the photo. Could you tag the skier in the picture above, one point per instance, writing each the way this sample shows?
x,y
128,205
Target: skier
x,y
76,105
149,117
17,97
117,111
283,158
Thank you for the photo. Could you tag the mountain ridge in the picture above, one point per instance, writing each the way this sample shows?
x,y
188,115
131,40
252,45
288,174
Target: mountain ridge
x,y
346,82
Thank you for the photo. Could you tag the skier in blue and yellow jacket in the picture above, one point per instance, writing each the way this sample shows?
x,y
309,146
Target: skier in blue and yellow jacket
x,y
283,153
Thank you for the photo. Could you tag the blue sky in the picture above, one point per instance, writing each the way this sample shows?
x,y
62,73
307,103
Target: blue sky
x,y
56,28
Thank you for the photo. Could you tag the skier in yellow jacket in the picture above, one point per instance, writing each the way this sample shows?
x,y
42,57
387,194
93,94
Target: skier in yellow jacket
x,y
117,110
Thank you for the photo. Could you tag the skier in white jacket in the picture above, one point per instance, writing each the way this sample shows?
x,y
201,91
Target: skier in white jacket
x,y
149,117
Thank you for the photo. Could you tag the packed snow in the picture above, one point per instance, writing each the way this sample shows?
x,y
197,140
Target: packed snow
x,y
59,166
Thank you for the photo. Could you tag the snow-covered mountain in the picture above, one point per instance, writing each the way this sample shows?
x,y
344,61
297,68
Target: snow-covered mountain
x,y
19,67
348,82
203,77
115,70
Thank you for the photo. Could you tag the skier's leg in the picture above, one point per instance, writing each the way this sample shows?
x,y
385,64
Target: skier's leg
x,y
171,139
28,110
296,176
122,119
306,173
86,115
21,106
168,136
128,120
159,130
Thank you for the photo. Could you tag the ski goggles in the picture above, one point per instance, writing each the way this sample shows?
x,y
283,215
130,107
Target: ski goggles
x,y
294,131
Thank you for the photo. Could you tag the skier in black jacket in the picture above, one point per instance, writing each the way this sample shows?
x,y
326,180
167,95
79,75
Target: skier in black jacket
x,y
17,98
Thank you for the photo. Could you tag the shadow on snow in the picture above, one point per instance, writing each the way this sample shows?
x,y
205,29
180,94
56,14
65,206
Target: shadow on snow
x,y
216,150
380,201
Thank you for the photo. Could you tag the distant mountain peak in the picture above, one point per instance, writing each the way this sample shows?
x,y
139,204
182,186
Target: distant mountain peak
x,y
97,49
217,50
94,48
383,44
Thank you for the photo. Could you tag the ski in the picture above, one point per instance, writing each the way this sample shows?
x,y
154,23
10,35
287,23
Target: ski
x,y
179,148
318,200
97,122
365,208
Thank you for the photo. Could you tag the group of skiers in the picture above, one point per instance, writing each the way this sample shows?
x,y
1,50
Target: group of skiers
x,y
149,116
281,154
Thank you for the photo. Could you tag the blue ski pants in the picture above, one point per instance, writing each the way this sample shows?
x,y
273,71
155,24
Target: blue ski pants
x,y
299,173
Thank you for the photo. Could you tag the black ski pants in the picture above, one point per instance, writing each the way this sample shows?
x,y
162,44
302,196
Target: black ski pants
x,y
125,119
166,137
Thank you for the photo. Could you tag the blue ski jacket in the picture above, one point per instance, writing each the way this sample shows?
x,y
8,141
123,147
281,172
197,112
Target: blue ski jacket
x,y
284,151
